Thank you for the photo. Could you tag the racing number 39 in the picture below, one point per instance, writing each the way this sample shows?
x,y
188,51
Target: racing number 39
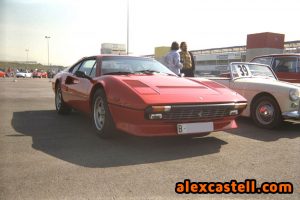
x,y
243,70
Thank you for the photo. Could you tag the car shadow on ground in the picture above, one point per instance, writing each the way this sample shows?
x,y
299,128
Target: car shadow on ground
x,y
73,139
247,128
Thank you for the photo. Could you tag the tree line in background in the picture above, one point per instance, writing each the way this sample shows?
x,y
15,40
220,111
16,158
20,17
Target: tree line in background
x,y
4,66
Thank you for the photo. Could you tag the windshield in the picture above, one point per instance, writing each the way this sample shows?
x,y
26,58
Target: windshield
x,y
132,65
242,70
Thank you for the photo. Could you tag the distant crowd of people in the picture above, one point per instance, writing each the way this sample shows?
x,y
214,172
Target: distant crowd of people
x,y
180,62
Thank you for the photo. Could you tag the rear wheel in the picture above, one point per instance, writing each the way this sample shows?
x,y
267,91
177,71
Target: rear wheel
x,y
60,105
266,113
102,119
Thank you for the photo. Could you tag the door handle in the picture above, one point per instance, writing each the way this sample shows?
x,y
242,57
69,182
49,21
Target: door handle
x,y
70,80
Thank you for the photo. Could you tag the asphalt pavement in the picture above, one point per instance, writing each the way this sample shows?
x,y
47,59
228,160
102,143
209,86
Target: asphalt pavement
x,y
44,155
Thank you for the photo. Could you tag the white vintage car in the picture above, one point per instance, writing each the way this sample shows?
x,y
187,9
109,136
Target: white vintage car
x,y
24,74
270,101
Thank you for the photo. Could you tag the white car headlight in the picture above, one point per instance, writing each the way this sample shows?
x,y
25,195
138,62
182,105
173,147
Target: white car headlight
x,y
294,94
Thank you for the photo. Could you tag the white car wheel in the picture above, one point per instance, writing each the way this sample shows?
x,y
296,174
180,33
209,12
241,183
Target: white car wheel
x,y
266,112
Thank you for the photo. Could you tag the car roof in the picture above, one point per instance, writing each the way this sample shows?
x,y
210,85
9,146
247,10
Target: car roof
x,y
116,55
109,55
113,55
278,55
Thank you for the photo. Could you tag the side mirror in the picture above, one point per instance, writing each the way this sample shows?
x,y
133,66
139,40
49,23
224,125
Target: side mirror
x,y
81,74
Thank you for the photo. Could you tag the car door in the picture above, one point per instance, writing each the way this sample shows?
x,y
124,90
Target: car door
x,y
79,84
67,81
287,68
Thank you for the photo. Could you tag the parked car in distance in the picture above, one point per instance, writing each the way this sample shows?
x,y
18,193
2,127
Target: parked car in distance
x,y
2,74
142,97
286,66
24,74
270,101
39,74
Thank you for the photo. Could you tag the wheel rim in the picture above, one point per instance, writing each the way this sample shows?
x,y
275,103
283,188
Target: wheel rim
x,y
58,99
265,113
99,113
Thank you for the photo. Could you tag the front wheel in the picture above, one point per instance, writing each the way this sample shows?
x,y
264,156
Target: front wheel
x,y
60,105
102,119
266,112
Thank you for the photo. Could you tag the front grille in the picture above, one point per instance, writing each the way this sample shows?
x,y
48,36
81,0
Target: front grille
x,y
198,111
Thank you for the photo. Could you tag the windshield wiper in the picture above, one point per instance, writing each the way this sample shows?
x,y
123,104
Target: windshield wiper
x,y
147,71
152,72
118,73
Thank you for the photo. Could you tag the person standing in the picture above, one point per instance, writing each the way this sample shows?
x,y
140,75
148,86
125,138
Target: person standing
x,y
172,59
187,60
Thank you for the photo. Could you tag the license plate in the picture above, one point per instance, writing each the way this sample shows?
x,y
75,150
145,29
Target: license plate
x,y
200,127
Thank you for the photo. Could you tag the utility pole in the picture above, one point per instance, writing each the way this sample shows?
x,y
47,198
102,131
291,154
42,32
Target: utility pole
x,y
127,27
48,37
27,50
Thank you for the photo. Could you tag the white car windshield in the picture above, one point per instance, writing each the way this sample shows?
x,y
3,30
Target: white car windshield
x,y
246,70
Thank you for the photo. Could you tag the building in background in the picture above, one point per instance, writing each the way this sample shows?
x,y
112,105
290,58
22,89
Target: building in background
x,y
160,52
264,43
215,60
111,48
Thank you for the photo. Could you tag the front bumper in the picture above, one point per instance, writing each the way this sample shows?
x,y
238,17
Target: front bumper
x,y
134,122
291,115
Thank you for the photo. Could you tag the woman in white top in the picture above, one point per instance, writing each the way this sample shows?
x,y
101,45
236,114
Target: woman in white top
x,y
172,59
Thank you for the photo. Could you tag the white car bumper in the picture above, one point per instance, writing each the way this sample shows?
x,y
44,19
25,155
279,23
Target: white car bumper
x,y
291,115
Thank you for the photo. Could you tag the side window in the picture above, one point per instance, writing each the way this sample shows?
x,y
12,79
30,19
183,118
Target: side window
x,y
75,68
275,64
298,70
93,72
285,64
87,66
264,60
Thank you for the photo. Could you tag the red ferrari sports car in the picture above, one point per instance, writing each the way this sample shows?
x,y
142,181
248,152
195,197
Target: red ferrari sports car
x,y
2,74
39,74
142,97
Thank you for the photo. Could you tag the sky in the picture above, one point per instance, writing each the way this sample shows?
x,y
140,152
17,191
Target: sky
x,y
78,27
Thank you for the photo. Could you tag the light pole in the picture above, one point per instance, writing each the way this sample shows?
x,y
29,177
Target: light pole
x,y
127,27
48,37
27,50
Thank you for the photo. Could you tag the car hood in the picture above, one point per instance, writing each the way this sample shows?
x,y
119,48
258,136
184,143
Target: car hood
x,y
272,83
295,84
161,89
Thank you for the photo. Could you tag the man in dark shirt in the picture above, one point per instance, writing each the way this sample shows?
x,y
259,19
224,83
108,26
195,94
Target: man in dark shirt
x,y
187,60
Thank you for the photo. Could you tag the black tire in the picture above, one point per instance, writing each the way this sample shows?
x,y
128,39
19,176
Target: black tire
x,y
101,116
60,105
266,113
